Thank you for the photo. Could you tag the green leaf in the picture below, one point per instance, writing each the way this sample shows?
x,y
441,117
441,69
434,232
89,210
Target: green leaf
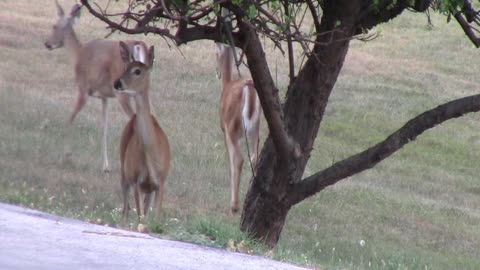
x,y
216,8
251,12
237,2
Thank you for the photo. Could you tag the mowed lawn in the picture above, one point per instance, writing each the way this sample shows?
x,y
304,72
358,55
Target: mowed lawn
x,y
420,209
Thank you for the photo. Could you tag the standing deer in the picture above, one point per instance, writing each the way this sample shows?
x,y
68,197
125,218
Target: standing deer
x,y
239,116
144,148
97,65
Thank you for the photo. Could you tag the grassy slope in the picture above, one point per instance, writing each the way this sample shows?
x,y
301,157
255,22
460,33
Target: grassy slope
x,y
418,209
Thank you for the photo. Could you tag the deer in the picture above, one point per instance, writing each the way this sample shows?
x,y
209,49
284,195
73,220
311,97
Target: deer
x,y
144,148
97,64
239,117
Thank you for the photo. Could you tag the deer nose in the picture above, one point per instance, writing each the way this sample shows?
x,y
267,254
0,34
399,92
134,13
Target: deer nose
x,y
48,45
117,85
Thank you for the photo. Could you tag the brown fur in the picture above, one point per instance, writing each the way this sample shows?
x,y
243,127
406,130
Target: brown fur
x,y
232,101
231,107
144,148
133,160
99,64
252,99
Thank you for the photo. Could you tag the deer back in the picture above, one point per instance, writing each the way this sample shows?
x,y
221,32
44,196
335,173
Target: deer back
x,y
99,64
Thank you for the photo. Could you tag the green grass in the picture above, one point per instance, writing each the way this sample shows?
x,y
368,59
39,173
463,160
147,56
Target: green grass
x,y
420,209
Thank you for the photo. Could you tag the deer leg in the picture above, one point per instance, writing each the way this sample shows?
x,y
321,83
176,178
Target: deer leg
x,y
157,183
136,195
147,202
124,101
253,138
106,166
125,191
236,162
81,100
159,199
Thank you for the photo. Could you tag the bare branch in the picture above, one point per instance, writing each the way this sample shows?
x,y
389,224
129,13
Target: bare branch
x,y
367,37
372,156
267,14
169,14
150,15
291,64
467,29
139,30
268,94
313,12
183,35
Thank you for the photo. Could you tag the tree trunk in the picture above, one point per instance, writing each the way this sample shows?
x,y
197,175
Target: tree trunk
x,y
264,213
266,207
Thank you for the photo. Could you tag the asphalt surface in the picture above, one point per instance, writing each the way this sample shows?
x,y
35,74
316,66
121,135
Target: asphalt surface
x,y
30,239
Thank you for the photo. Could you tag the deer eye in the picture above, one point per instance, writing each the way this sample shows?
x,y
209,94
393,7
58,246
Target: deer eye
x,y
136,71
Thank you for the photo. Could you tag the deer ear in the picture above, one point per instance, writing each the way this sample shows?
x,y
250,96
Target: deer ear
x,y
75,13
125,53
60,11
139,53
151,57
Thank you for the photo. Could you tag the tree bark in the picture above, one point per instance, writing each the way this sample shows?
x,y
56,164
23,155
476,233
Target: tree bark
x,y
264,212
266,208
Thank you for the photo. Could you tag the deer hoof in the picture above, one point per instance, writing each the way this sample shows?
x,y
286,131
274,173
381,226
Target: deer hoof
x,y
234,210
141,228
106,170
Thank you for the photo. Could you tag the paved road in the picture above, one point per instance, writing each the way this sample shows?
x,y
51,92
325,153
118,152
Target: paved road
x,y
31,239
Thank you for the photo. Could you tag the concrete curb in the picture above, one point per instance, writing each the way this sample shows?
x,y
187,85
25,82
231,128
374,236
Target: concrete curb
x,y
30,239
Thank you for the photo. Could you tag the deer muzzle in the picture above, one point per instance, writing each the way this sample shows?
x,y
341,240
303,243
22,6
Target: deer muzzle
x,y
118,85
53,45
48,46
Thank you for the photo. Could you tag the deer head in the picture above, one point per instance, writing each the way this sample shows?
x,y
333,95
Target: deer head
x,y
136,78
63,26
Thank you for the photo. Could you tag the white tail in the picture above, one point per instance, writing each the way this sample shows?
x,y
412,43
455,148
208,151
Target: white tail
x,y
239,116
97,65
144,148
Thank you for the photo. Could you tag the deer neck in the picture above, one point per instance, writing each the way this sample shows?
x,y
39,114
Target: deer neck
x,y
142,103
72,43
226,68
144,119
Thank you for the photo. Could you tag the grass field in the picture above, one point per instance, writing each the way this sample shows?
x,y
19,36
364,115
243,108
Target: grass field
x,y
419,209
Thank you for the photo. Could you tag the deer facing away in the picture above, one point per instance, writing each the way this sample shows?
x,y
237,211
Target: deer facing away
x,y
239,116
97,65
144,148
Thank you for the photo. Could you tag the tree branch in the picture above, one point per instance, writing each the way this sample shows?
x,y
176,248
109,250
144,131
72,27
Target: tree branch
x,y
267,93
471,16
139,30
313,12
467,29
372,156
291,64
183,35
385,10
